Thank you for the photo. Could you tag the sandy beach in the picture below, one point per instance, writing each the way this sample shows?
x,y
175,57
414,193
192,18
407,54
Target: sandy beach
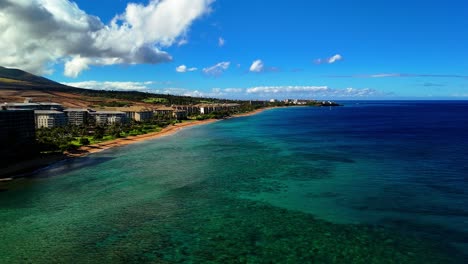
x,y
27,167
169,130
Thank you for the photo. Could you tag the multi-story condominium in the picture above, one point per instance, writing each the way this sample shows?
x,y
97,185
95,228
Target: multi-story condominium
x,y
49,118
191,109
166,112
231,107
17,134
77,116
137,113
257,102
180,114
209,108
109,117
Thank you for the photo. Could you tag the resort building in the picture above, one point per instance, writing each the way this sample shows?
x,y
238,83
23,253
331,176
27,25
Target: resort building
x,y
17,134
190,109
166,112
77,116
231,107
209,108
137,113
49,118
302,102
257,102
109,117
180,114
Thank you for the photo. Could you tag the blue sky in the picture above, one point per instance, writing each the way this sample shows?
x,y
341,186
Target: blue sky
x,y
258,49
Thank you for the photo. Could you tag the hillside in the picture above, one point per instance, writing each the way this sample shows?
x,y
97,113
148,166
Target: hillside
x,y
16,85
19,79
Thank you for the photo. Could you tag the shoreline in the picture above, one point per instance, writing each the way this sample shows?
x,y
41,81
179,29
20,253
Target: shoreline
x,y
28,167
167,131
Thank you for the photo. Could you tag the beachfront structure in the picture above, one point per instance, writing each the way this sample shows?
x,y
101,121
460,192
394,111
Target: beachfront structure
x,y
166,112
302,102
257,102
137,113
49,118
210,108
17,134
109,117
180,114
231,107
77,116
190,109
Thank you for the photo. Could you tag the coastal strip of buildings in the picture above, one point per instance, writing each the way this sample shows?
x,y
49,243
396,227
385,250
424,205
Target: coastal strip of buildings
x,y
55,115
19,121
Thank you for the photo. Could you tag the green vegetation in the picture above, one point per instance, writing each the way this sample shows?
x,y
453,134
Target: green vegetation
x,y
214,115
156,100
59,139
206,102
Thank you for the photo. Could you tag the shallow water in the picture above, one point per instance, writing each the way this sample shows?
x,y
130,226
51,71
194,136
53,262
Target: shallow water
x,y
374,182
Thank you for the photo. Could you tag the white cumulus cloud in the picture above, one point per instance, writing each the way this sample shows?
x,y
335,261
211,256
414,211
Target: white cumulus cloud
x,y
108,85
218,69
37,34
257,66
233,90
312,92
183,68
335,58
330,60
286,89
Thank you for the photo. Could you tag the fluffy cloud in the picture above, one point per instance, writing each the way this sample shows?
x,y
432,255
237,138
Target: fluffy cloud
x,y
221,41
312,92
335,58
218,69
330,60
306,92
121,86
41,33
214,93
286,89
257,66
233,90
183,68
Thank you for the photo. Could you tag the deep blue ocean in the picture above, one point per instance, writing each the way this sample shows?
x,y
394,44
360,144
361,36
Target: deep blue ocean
x,y
369,182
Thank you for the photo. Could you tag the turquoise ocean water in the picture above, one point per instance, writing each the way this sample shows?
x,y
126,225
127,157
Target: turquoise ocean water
x,y
370,182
